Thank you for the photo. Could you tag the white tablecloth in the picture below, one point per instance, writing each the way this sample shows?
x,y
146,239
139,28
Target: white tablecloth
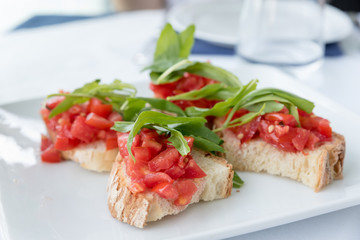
x,y
34,63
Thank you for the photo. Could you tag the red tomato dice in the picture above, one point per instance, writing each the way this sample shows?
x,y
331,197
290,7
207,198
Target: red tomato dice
x,y
186,189
152,179
142,154
192,170
137,187
166,190
175,172
164,160
301,138
92,119
64,143
82,131
96,106
52,102
51,155
122,142
286,119
115,116
45,142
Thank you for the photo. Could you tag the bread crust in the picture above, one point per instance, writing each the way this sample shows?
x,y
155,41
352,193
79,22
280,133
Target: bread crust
x,y
315,168
141,208
91,156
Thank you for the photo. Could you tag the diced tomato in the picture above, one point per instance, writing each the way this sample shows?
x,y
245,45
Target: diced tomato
x,y
302,113
142,154
192,170
136,170
186,189
45,142
166,190
114,117
286,119
164,160
111,143
51,103
51,155
137,187
312,141
82,131
154,146
96,106
92,119
190,141
175,172
153,179
301,138
64,143
122,142
247,131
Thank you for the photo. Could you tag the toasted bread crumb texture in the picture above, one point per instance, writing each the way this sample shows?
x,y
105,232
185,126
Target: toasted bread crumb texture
x,y
315,169
138,209
92,156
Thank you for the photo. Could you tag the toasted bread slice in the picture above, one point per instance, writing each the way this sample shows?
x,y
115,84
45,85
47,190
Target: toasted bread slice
x,y
316,168
91,156
138,209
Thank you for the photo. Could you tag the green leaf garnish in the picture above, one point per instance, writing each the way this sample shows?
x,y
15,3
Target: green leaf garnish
x,y
171,59
114,93
177,127
135,106
237,181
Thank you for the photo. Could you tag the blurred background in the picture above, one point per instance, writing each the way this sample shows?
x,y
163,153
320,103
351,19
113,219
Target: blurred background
x,y
15,12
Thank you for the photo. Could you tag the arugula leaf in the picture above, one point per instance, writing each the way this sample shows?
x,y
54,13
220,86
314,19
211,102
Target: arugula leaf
x,y
208,90
107,93
237,181
137,105
170,60
177,126
178,141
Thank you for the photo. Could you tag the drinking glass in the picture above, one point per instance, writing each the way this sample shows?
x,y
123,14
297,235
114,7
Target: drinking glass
x,y
281,32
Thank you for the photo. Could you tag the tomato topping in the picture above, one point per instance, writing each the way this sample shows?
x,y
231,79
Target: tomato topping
x,y
286,119
96,106
192,170
186,189
64,143
82,131
45,142
115,116
159,166
175,172
92,119
137,187
51,155
153,179
164,160
281,130
51,103
185,84
166,190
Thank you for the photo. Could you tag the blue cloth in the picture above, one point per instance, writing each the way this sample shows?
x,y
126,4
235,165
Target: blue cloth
x,y
203,47
200,46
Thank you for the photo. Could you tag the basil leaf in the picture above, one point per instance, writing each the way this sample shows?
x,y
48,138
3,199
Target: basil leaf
x,y
168,46
237,181
123,126
200,130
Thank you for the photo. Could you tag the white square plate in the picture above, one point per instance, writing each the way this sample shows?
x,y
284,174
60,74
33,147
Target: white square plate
x,y
64,201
